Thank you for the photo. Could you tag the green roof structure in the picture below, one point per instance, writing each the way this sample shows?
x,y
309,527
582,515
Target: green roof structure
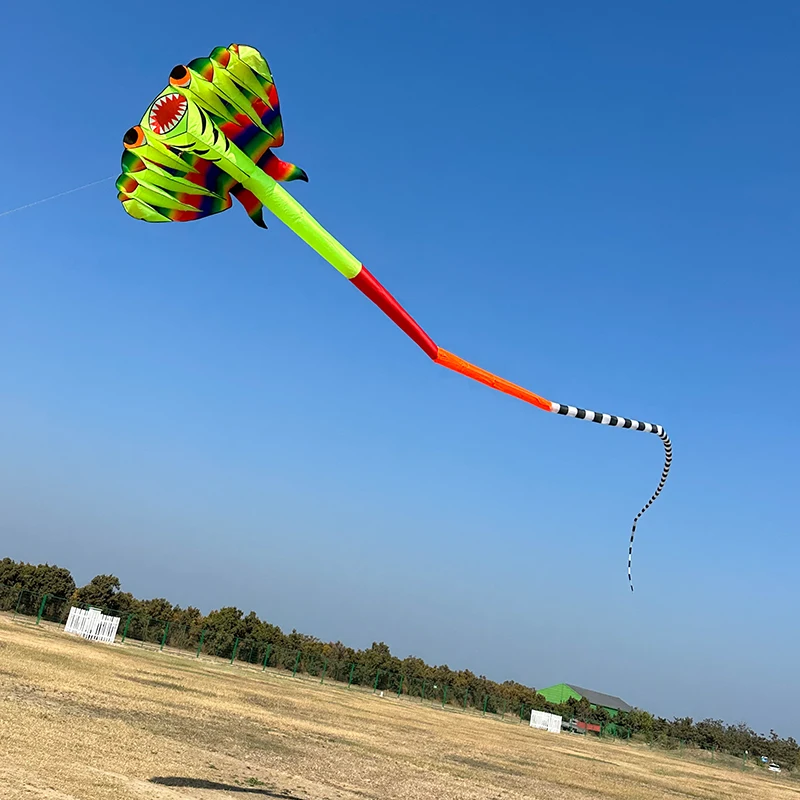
x,y
562,692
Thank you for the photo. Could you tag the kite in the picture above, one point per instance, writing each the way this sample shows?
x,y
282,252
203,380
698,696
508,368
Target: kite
x,y
210,136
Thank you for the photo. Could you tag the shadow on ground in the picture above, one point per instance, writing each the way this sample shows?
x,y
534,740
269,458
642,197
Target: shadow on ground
x,y
199,783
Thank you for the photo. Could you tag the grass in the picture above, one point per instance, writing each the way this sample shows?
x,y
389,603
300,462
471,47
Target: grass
x,y
84,721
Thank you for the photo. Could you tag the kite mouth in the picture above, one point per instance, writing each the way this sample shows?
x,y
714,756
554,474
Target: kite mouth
x,y
167,112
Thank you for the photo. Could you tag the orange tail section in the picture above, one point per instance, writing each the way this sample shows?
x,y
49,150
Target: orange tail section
x,y
488,379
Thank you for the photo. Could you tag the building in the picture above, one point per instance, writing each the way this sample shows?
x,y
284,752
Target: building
x,y
562,692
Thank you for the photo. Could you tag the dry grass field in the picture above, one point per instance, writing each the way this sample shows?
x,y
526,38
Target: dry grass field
x,y
84,721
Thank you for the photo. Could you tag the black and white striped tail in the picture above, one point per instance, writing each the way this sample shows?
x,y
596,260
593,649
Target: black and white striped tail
x,y
632,424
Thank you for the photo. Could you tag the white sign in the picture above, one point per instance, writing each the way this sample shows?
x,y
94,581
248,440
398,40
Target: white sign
x,y
92,624
543,721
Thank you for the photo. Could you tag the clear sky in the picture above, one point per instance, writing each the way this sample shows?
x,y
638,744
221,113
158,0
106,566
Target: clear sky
x,y
596,200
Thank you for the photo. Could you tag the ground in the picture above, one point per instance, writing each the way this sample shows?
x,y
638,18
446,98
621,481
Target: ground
x,y
87,721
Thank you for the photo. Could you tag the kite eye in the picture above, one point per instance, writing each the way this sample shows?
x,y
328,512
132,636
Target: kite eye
x,y
134,137
180,76
167,112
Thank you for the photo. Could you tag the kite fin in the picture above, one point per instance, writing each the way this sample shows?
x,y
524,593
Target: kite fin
x,y
281,170
252,205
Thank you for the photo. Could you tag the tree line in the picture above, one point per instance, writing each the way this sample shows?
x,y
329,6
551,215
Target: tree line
x,y
223,626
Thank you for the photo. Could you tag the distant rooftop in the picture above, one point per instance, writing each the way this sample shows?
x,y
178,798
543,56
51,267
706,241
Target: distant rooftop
x,y
600,699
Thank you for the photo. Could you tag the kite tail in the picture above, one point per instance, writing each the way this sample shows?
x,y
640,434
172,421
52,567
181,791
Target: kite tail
x,y
632,424
500,384
371,287
664,473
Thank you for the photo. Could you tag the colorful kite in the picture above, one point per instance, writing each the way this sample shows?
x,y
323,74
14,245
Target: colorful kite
x,y
209,137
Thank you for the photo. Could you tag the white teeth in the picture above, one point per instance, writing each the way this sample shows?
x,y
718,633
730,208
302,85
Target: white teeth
x,y
177,106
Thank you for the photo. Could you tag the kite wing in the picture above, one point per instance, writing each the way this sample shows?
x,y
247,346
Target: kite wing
x,y
209,136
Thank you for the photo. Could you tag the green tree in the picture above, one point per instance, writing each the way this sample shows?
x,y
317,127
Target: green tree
x,y
159,608
101,591
641,721
223,627
40,579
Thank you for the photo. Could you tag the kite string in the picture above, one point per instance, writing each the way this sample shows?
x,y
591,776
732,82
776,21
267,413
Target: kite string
x,y
55,196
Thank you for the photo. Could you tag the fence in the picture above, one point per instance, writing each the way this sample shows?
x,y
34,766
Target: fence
x,y
144,631
92,624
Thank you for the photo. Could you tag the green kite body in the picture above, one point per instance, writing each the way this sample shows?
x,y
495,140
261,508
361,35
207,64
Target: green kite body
x,y
209,135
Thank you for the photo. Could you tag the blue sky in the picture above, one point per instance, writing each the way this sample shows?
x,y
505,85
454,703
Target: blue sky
x,y
597,201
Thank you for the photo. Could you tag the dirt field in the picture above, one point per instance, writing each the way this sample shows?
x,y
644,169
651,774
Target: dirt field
x,y
83,721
